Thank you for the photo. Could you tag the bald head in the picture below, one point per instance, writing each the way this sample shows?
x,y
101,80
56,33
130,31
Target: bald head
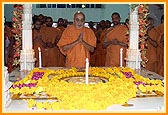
x,y
79,13
79,19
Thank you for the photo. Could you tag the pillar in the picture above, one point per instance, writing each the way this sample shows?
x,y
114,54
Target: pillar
x,y
27,59
133,58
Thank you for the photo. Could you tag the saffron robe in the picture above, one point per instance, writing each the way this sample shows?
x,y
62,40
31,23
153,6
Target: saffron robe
x,y
113,51
50,55
93,54
61,62
37,43
160,50
76,56
151,51
100,51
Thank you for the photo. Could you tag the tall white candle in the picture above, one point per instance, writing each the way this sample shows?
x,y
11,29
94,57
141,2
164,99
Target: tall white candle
x,y
87,71
121,52
39,57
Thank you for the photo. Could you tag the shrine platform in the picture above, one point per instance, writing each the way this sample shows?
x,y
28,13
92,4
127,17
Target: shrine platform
x,y
139,104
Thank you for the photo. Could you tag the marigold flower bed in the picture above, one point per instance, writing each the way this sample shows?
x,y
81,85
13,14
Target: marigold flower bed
x,y
123,84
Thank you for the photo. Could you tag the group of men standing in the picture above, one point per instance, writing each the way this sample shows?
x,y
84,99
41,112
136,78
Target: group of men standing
x,y
46,38
69,46
155,48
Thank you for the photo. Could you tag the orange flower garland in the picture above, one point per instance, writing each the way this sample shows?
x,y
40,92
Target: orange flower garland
x,y
143,11
17,32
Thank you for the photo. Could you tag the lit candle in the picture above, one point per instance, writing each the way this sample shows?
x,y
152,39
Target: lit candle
x,y
39,57
87,71
121,52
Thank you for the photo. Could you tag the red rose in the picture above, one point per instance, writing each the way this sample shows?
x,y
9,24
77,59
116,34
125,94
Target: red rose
x,y
14,19
16,43
142,46
140,10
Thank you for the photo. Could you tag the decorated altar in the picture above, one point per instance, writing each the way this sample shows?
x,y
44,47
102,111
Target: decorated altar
x,y
50,89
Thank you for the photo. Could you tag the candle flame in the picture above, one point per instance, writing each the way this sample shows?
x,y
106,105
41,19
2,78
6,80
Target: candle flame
x,y
87,60
39,49
121,49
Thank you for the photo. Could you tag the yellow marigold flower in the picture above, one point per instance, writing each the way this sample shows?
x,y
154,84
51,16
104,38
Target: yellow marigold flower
x,y
39,89
142,88
71,96
31,103
39,105
56,106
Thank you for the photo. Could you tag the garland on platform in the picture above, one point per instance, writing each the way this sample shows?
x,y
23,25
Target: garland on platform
x,y
143,11
17,32
123,84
